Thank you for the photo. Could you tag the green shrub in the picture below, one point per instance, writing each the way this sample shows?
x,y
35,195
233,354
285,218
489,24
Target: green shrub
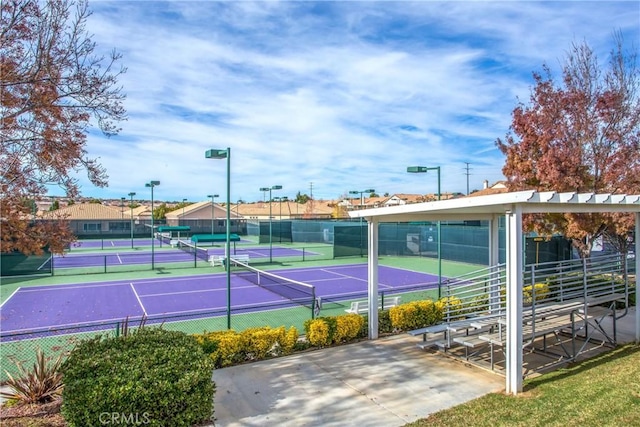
x,y
152,376
384,323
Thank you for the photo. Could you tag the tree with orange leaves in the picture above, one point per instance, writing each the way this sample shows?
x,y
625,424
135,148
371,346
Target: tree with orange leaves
x,y
53,89
579,136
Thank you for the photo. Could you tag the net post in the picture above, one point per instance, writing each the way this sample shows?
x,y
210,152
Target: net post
x,y
105,263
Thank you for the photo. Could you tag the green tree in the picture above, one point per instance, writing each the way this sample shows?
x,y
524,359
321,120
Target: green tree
x,y
301,198
581,134
160,212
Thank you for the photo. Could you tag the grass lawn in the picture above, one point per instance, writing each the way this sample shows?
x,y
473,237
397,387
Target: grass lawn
x,y
601,391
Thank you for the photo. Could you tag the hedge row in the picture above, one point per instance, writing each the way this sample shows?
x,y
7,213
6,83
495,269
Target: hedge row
x,y
229,347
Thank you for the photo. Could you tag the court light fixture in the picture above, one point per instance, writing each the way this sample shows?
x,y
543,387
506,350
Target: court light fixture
x,y
152,184
218,154
131,206
425,169
370,190
270,189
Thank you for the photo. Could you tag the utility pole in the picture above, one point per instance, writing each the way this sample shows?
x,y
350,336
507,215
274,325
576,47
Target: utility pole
x,y
467,173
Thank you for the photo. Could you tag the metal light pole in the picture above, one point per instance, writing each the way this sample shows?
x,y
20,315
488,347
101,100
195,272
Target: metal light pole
x,y
152,184
182,221
222,154
131,206
122,199
424,169
213,198
371,190
269,189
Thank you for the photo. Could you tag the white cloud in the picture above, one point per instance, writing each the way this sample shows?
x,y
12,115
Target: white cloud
x,y
341,94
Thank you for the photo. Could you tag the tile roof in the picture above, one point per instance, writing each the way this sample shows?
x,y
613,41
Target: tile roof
x,y
88,211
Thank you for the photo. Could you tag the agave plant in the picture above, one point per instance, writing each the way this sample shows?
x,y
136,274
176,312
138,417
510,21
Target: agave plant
x,y
40,384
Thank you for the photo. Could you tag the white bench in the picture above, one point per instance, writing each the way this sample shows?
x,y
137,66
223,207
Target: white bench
x,y
220,259
362,307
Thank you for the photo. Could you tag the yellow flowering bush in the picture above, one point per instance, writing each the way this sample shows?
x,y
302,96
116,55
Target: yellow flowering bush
x,y
451,305
348,327
415,314
257,343
541,291
318,332
224,347
289,341
230,347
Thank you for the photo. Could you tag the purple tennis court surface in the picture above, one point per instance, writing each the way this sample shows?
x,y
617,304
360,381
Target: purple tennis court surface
x,y
37,308
121,243
125,257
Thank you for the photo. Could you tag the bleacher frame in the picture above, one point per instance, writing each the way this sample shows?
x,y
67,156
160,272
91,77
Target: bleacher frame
x,y
571,302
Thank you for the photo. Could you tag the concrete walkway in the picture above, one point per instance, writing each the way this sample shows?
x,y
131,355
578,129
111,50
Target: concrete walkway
x,y
387,382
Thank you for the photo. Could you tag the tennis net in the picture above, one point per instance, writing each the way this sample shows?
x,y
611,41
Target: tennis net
x,y
298,292
193,250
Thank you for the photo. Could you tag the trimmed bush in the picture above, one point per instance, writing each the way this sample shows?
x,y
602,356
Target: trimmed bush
x,y
347,327
150,377
229,347
384,323
540,290
317,331
416,314
223,347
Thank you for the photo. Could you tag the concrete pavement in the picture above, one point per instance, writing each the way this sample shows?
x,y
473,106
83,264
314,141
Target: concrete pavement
x,y
387,382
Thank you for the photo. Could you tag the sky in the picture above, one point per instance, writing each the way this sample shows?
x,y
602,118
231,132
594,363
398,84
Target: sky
x,y
328,97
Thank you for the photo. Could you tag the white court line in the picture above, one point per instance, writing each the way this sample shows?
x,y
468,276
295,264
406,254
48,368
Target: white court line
x,y
42,265
119,259
12,294
144,311
112,243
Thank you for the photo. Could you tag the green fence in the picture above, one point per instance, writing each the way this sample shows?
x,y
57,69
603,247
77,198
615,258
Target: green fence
x,y
17,264
20,347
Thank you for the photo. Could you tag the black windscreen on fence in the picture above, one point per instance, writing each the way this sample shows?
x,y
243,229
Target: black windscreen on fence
x,y
280,232
17,264
350,240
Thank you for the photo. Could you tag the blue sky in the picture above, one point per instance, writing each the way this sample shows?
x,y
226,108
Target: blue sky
x,y
334,96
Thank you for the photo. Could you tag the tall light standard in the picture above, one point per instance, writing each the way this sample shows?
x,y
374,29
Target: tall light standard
x,y
424,169
213,198
184,203
131,206
371,190
226,154
122,199
269,189
152,184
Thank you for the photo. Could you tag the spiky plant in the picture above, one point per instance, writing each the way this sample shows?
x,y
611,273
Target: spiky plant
x,y
40,384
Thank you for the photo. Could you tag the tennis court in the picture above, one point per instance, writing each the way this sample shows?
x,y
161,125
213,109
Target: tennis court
x,y
185,254
59,306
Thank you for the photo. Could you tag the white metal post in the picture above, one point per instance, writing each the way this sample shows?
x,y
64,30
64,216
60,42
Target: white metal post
x,y
514,301
373,277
